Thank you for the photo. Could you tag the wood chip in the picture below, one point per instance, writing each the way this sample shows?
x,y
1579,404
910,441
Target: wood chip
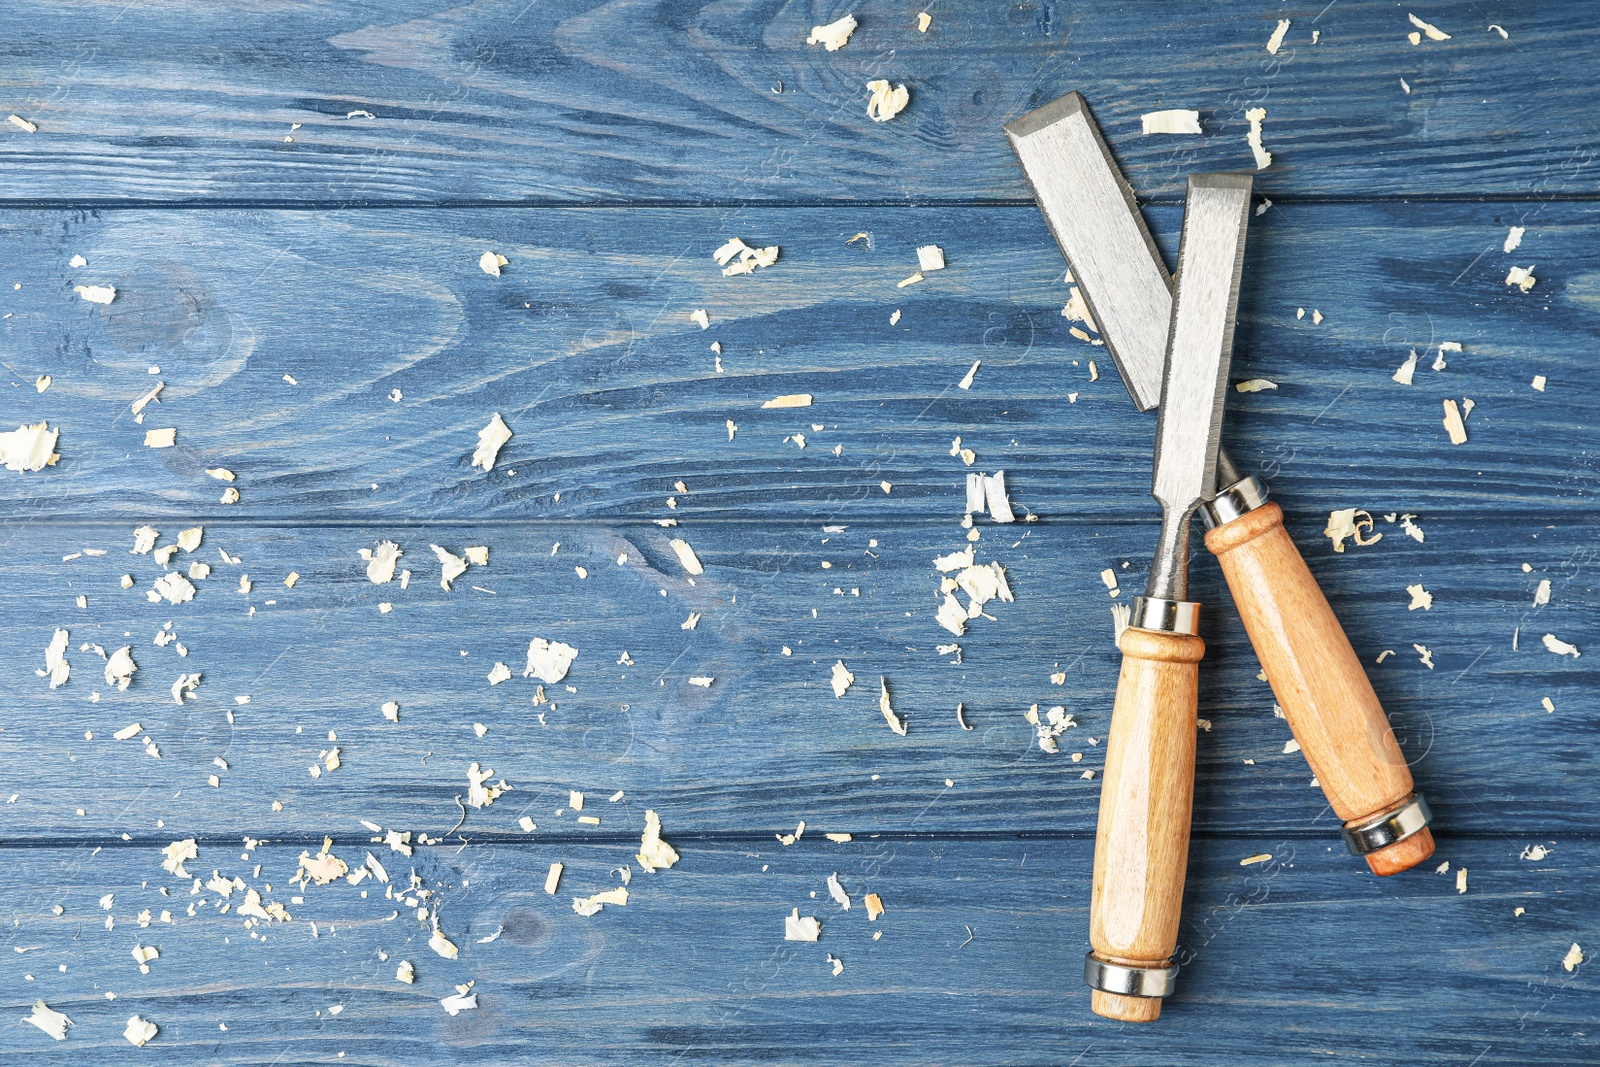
x,y
896,723
163,438
96,294
654,854
1275,42
842,679
1420,598
1174,121
1259,857
873,905
1255,385
886,102
1433,32
29,447
139,1031
1256,116
686,556
834,35
491,262
49,1020
791,400
1560,647
797,927
549,661
1570,962
490,440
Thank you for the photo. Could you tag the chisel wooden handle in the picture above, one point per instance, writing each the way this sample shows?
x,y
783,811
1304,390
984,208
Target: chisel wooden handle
x,y
1321,687
1141,848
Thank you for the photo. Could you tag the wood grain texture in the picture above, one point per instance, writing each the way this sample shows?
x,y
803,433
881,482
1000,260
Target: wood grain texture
x,y
585,346
767,744
635,100
1141,848
978,963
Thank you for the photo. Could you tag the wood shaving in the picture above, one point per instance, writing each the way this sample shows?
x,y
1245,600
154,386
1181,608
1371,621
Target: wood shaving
x,y
138,1031
1426,655
96,294
924,20
549,661
797,927
480,793
451,566
552,880
491,262
1453,424
791,400
735,257
1345,524
1569,963
994,495
1538,382
1433,32
654,854
1174,121
886,102
1407,370
592,905
1513,239
26,127
29,447
120,668
172,587
177,854
490,440
405,972
163,438
1534,853
896,723
49,1020
456,1003
56,667
840,839
1461,879
1256,116
930,258
686,556
1259,857
788,839
912,280
499,673
836,891
1275,42
1109,578
1255,385
1560,647
1522,277
873,905
842,679
442,945
1541,594
381,561
834,35
1420,598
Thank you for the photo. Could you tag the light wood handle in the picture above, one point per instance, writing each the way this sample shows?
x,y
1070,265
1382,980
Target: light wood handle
x,y
1317,678
1141,848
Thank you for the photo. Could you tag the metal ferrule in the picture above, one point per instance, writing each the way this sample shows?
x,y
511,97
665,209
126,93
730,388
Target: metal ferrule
x,y
1172,616
1391,826
1129,981
1235,500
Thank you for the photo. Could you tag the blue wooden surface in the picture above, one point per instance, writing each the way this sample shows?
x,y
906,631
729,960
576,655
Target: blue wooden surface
x,y
606,150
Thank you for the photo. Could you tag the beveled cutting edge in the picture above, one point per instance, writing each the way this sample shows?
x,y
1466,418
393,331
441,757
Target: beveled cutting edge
x,y
1210,262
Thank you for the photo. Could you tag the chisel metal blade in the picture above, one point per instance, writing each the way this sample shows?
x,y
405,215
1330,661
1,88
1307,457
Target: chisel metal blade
x,y
1216,215
1090,209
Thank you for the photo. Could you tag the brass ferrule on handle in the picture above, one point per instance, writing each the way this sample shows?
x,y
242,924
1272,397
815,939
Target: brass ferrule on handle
x,y
1141,851
1320,684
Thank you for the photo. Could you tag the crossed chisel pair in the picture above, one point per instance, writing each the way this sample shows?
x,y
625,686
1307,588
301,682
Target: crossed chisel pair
x,y
1173,349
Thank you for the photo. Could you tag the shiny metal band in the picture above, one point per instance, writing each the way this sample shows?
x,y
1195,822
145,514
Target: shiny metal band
x,y
1172,616
1129,981
1386,829
1233,501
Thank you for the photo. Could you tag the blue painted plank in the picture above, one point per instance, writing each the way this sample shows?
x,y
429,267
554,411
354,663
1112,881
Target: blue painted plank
x,y
587,348
979,959
767,743
678,101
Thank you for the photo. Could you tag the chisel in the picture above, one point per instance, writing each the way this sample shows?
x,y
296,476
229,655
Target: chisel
x,y
1141,847
1315,675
